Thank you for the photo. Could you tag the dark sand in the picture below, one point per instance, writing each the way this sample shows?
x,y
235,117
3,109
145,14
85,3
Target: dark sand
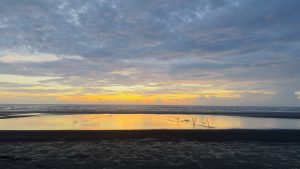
x,y
15,116
149,153
194,134
246,149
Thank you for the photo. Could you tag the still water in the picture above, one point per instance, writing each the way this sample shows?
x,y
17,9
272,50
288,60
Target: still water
x,y
143,121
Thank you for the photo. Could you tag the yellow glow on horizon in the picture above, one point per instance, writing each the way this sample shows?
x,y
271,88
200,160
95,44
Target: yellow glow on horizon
x,y
181,92
163,98
129,97
120,88
134,98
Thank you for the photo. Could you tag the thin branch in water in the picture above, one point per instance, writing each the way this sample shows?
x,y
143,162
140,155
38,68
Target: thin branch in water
x,y
177,118
194,121
207,121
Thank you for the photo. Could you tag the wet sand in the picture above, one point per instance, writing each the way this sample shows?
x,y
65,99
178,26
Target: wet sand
x,y
194,134
152,149
149,153
15,114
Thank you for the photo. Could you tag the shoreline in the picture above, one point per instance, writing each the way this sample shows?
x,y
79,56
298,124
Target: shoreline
x,y
14,114
272,135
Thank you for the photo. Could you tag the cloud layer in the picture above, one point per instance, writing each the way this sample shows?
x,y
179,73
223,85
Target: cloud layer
x,y
222,52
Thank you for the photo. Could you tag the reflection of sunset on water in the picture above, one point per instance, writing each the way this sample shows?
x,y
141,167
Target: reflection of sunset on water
x,y
142,121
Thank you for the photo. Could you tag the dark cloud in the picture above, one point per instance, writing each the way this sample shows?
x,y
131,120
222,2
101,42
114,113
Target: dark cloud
x,y
138,42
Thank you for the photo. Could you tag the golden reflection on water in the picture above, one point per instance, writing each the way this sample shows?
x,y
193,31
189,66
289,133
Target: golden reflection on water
x,y
141,121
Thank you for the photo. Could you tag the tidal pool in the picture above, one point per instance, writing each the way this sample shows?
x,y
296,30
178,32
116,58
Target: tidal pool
x,y
143,121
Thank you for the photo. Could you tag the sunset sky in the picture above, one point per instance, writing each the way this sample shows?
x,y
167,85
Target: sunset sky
x,y
183,52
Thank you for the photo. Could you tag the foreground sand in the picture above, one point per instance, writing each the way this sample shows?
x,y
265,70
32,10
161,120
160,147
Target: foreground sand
x,y
247,149
149,153
270,135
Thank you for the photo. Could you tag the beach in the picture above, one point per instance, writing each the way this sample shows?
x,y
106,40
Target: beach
x,y
210,149
125,139
272,135
19,110
149,153
149,84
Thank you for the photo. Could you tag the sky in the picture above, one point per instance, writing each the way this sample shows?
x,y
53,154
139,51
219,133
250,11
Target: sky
x,y
171,52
